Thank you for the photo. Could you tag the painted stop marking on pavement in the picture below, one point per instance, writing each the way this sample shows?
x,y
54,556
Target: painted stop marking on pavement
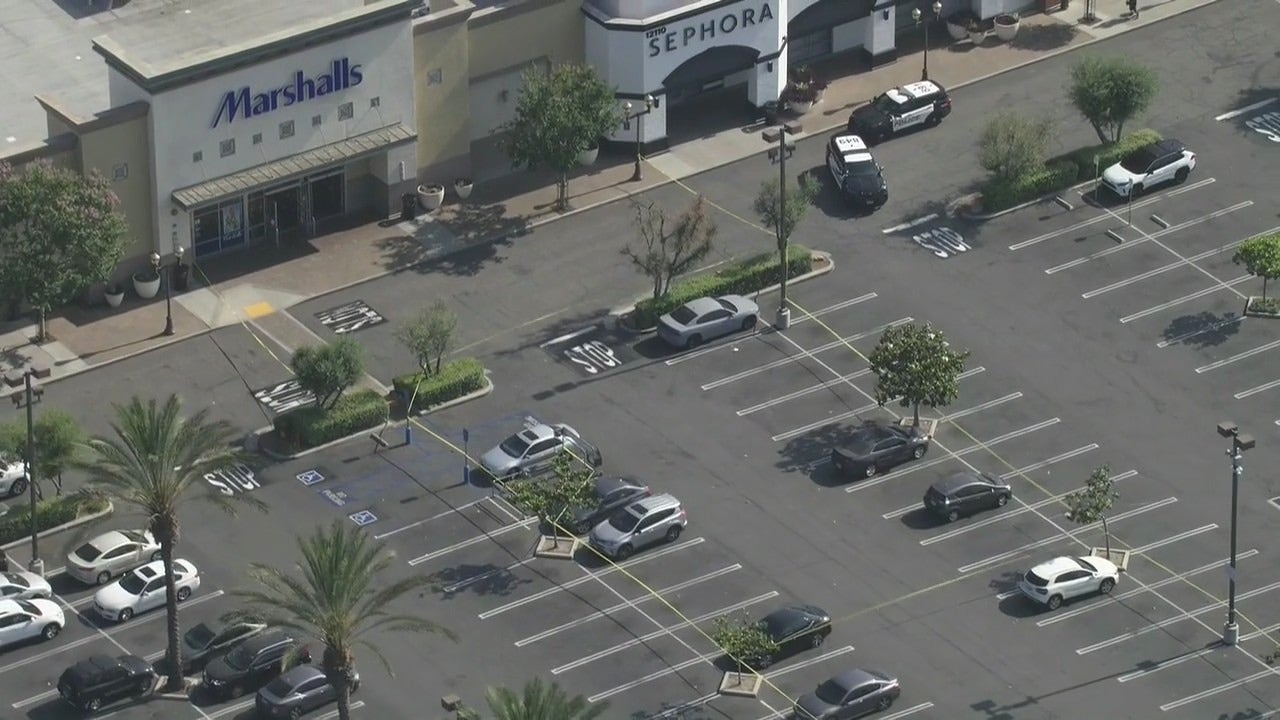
x,y
941,241
1266,124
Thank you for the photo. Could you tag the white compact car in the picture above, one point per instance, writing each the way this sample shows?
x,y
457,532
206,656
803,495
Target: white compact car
x,y
13,477
1064,578
23,586
143,589
22,620
111,554
1159,163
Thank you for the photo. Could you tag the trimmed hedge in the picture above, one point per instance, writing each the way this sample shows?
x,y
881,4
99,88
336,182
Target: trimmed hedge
x,y
740,278
455,379
1109,155
16,525
311,426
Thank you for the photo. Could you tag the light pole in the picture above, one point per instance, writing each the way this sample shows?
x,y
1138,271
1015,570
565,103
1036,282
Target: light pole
x,y
28,399
916,15
168,284
779,155
1239,443
638,175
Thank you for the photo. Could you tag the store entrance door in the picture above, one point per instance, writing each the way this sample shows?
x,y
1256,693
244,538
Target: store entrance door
x,y
284,213
328,200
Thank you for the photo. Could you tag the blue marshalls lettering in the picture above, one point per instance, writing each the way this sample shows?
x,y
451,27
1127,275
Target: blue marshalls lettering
x,y
244,103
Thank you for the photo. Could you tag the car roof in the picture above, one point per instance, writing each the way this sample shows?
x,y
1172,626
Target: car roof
x,y
957,480
1057,565
702,305
922,88
606,484
1168,145
298,674
874,431
92,666
262,641
109,539
856,677
653,503
534,433
9,607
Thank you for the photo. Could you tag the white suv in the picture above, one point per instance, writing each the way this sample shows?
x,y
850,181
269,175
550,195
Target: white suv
x,y
1158,163
13,477
22,620
1063,578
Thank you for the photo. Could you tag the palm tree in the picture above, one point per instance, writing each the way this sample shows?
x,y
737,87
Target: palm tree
x,y
155,463
335,601
537,702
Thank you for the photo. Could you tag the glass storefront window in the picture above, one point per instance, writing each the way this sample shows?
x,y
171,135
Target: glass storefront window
x,y
232,223
206,231
257,218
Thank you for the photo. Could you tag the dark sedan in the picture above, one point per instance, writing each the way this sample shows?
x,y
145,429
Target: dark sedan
x,y
611,493
965,493
875,447
298,691
208,640
793,629
850,694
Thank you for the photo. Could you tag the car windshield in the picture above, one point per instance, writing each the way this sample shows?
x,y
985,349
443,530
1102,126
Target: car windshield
x,y
200,635
863,169
861,444
623,521
830,692
779,625
88,552
884,103
132,584
1036,580
514,446
1085,564
1137,163
29,608
683,315
280,687
727,305
239,658
134,535
16,580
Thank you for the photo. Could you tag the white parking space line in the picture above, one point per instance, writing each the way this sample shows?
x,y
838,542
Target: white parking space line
x,y
662,631
799,666
1173,620
1162,269
507,508
1172,662
1146,237
1097,219
910,224
979,408
1186,298
334,713
35,699
1210,328
472,541
1219,689
1180,577
670,670
1257,389
606,612
1238,356
455,587
801,393
872,482
1246,109
842,342
909,711
425,520
223,712
1023,549
588,578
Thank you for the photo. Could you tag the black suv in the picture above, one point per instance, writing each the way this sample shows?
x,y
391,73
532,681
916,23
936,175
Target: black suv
x,y
918,104
100,679
252,664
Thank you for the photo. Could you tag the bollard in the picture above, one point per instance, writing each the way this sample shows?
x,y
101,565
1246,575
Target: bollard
x,y
408,434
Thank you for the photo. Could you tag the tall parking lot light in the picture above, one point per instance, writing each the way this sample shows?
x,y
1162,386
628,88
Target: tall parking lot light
x,y
1239,443
779,155
28,398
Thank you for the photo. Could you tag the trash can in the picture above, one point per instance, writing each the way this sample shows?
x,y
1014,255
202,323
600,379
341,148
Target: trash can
x,y
408,206
181,277
770,112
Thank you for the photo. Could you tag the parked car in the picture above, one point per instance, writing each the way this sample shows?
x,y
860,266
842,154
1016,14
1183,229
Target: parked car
x,y
23,585
301,689
793,628
208,640
23,620
918,104
877,446
143,589
857,175
1064,578
850,694
965,493
13,477
707,318
611,493
1161,162
638,525
101,679
111,554
532,450
252,664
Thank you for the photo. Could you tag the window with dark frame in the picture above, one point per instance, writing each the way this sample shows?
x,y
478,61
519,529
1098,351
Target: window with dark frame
x,y
346,111
227,147
197,156
257,138
286,129
316,120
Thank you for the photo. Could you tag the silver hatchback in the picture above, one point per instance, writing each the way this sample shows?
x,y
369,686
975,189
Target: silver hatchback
x,y
638,525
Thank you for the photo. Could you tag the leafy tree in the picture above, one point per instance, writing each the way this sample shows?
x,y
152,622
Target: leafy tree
x,y
782,218
428,335
58,436
915,365
553,500
670,251
1013,146
1111,91
536,701
557,116
156,463
336,601
327,370
742,639
1092,503
59,234
1261,257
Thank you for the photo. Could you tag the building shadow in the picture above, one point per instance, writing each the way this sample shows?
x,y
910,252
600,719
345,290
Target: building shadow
x,y
1043,38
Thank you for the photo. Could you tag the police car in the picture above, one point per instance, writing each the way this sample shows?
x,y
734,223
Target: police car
x,y
923,103
858,176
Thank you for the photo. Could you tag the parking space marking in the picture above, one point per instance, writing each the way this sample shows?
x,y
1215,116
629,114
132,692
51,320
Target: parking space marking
x,y
670,670
910,224
1213,647
472,541
1162,269
606,612
1246,109
984,406
663,630
872,482
1238,356
1145,237
1175,538
334,713
1228,285
455,587
424,521
1219,689
1257,389
842,342
222,712
588,578
801,393
1187,615
909,711
1034,545
1187,336
1094,220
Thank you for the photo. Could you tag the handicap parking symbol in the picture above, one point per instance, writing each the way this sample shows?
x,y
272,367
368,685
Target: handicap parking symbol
x,y
362,518
310,477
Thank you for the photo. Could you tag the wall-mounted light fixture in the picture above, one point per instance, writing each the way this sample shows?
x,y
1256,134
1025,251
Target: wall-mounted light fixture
x,y
768,67
885,14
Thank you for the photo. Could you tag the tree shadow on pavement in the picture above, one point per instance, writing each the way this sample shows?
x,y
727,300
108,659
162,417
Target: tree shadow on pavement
x,y
809,453
484,579
1041,38
1203,329
465,262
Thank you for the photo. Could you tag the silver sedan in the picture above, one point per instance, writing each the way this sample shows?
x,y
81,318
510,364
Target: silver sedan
x,y
707,318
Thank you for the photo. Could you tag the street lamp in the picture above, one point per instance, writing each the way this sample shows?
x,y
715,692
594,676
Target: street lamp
x,y
28,398
638,175
1239,443
168,284
916,15
779,155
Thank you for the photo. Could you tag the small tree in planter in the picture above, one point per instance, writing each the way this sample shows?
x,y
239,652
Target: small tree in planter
x,y
783,217
1109,92
428,335
1092,503
552,501
1261,257
915,365
669,248
1012,146
742,640
326,371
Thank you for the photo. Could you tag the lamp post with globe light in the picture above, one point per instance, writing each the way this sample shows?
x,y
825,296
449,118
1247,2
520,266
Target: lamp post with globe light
x,y
638,175
917,15
168,284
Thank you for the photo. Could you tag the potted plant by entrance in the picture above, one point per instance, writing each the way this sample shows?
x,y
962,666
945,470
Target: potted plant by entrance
x,y
976,32
958,24
146,283
1006,26
589,155
463,187
114,295
801,97
431,196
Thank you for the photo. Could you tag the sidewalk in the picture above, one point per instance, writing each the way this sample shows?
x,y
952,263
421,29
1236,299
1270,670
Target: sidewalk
x,y
252,286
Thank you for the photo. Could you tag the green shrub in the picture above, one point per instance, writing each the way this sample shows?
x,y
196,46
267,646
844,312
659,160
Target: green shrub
x,y
1111,154
740,278
1000,194
312,425
455,379
16,525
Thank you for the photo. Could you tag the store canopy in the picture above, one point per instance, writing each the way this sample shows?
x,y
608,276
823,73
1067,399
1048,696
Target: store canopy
x,y
294,166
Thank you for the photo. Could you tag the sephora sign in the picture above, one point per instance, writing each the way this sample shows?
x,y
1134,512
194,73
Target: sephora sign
x,y
246,102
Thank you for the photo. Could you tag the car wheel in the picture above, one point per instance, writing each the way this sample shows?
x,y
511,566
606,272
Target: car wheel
x,y
183,594
884,703
673,533
104,577
93,705
1055,602
693,342
17,487
143,687
623,553
235,691
749,322
1136,191
126,615
157,555
1181,175
50,631
953,516
918,452
871,470
816,640
1107,586
932,120
764,662
295,713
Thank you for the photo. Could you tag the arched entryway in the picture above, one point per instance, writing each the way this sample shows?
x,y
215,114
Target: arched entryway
x,y
826,28
709,91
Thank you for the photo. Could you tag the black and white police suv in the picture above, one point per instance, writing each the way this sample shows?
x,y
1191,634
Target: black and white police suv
x,y
923,103
858,176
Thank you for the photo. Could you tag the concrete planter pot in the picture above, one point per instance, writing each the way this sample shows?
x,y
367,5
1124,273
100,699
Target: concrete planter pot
x,y
588,156
431,196
114,295
556,548
463,187
1255,306
146,284
957,31
1007,27
977,37
741,684
800,107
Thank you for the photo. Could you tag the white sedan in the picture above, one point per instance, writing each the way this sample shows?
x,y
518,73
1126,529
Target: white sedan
x,y
1064,578
143,589
22,620
111,554
23,586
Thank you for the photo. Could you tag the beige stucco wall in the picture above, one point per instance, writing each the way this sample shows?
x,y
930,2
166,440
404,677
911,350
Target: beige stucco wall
x,y
515,36
126,142
440,70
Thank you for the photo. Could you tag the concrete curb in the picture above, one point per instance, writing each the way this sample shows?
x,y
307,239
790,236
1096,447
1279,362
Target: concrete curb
x,y
488,388
1048,197
82,520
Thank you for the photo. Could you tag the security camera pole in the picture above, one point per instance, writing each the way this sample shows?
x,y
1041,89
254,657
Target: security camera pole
x,y
1239,443
779,135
